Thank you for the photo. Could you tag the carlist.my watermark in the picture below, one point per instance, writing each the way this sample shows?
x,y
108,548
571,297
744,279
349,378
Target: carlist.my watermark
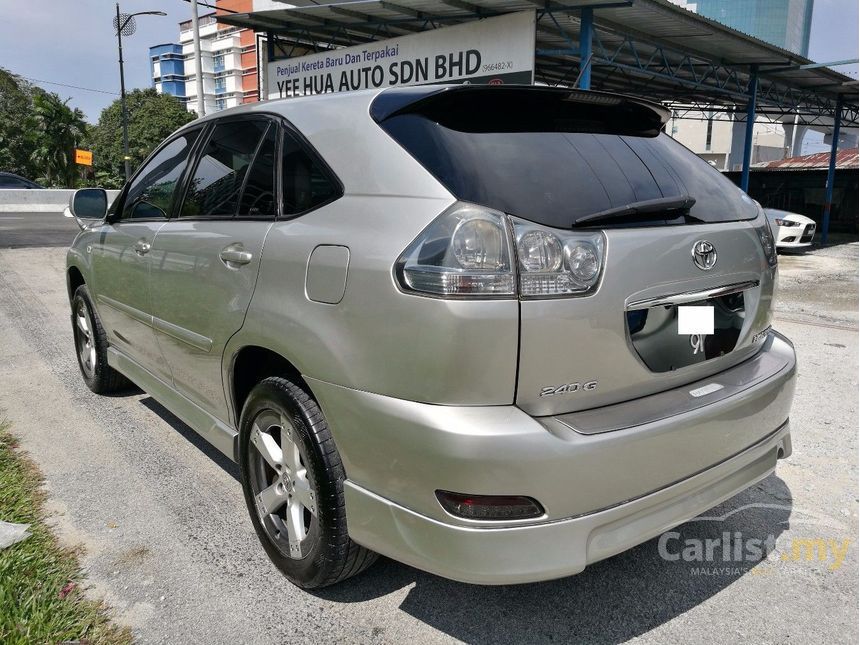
x,y
735,552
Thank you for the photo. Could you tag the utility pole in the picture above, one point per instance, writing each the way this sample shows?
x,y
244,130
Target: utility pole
x,y
201,107
119,27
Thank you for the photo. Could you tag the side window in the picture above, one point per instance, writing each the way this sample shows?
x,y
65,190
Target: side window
x,y
304,182
151,193
258,196
217,182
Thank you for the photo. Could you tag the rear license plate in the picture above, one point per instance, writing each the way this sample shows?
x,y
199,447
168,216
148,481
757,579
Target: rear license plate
x,y
669,337
696,320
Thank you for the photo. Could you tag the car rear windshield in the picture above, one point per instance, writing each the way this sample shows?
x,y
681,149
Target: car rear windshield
x,y
553,161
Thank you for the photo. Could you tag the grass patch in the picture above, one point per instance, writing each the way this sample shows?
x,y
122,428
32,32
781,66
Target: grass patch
x,y
37,602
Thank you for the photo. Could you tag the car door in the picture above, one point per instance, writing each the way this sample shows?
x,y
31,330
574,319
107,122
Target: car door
x,y
121,259
205,261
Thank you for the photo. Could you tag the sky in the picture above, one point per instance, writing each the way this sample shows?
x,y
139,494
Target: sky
x,y
73,42
834,37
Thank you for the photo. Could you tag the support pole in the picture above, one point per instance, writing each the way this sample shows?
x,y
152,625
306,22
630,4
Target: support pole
x,y
270,46
586,32
195,23
750,125
831,171
270,56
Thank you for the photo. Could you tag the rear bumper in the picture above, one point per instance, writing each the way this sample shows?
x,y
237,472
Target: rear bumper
x,y
608,479
554,549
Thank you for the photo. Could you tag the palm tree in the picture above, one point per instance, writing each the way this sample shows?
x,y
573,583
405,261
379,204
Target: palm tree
x,y
59,128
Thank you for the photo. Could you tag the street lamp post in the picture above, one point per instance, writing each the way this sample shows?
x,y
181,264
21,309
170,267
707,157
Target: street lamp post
x,y
124,24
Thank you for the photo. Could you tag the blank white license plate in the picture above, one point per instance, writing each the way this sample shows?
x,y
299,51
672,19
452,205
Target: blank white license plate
x,y
696,320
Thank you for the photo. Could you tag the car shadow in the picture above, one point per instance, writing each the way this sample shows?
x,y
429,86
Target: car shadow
x,y
226,464
129,390
610,602
797,252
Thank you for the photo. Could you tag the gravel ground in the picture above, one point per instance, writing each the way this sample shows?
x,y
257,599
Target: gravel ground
x,y
168,544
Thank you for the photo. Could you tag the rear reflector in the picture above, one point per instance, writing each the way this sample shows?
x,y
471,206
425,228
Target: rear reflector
x,y
489,507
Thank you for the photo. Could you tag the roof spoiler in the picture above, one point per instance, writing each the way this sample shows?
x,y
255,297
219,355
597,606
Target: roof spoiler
x,y
632,114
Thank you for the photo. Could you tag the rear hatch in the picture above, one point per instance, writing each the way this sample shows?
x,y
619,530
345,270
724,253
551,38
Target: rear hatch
x,y
676,233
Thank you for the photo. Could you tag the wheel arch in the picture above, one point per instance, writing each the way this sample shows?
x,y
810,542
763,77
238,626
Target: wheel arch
x,y
249,365
74,279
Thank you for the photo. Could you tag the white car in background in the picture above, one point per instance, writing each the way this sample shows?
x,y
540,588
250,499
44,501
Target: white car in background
x,y
790,230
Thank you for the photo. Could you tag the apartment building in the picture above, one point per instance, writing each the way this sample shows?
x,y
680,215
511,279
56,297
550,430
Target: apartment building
x,y
228,62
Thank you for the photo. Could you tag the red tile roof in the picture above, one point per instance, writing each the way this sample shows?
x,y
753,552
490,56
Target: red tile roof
x,y
847,158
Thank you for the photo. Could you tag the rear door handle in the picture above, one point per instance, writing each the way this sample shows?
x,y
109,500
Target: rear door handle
x,y
235,254
142,247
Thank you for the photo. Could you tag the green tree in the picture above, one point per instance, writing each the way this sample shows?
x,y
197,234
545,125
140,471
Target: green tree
x,y
151,118
59,130
17,129
38,132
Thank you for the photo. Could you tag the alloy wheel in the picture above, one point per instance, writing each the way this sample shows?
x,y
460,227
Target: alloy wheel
x,y
282,488
85,342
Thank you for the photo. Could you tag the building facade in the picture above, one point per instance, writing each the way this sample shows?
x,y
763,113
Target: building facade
x,y
228,62
784,23
167,64
710,135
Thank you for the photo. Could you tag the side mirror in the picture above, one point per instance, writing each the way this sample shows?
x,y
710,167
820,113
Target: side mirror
x,y
88,206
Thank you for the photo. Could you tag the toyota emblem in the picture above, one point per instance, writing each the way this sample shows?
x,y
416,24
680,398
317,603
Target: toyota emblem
x,y
704,255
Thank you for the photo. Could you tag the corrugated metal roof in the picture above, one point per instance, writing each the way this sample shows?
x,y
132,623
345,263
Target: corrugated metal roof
x,y
845,159
690,58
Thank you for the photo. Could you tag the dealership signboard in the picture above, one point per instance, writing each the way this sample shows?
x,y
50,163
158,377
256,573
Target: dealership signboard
x,y
498,50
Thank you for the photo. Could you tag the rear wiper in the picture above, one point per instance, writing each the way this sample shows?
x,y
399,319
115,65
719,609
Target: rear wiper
x,y
676,203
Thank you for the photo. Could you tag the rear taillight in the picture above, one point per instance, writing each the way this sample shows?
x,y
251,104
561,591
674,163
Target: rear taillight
x,y
765,236
556,263
474,251
465,252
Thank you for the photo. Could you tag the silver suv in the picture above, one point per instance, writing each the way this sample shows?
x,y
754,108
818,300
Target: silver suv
x,y
496,333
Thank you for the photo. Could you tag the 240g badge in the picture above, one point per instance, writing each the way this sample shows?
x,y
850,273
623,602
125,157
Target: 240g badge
x,y
568,388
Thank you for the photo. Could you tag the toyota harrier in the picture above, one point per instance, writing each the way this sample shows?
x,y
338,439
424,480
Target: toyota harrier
x,y
496,333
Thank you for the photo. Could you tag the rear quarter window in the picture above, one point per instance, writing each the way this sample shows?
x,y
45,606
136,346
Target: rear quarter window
x,y
306,183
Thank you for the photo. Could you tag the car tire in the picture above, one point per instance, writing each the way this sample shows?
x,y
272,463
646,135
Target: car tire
x,y
91,346
292,478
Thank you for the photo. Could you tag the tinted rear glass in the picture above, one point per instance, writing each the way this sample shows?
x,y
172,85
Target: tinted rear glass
x,y
556,168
